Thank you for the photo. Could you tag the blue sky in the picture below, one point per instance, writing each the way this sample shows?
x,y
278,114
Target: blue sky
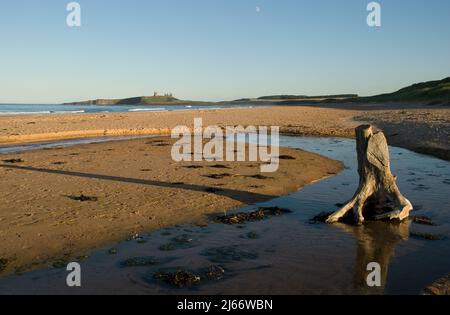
x,y
218,49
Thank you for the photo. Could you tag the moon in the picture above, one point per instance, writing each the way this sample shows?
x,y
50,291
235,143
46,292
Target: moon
x,y
258,9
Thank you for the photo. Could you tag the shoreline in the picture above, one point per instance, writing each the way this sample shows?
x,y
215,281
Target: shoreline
x,y
423,130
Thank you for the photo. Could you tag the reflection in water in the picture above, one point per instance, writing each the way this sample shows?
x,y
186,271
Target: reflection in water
x,y
376,242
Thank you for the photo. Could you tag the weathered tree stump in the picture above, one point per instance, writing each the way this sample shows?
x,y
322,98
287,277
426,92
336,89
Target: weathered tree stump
x,y
378,196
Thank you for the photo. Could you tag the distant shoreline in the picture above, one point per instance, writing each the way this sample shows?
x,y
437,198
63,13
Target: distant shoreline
x,y
431,92
423,129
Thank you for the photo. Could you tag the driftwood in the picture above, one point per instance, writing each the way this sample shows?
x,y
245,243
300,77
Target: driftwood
x,y
378,196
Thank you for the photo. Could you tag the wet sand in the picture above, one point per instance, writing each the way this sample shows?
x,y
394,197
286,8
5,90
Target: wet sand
x,y
58,204
424,129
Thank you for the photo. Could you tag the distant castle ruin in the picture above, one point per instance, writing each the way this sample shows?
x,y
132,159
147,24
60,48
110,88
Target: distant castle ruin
x,y
155,94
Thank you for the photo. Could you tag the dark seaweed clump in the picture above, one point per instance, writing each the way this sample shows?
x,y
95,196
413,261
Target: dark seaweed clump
x,y
183,278
422,220
286,157
13,161
83,198
258,215
259,176
214,272
217,176
3,264
179,278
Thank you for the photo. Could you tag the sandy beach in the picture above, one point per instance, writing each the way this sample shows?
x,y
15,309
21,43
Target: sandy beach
x,y
421,129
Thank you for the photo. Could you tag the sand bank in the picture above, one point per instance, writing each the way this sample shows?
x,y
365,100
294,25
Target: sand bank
x,y
127,187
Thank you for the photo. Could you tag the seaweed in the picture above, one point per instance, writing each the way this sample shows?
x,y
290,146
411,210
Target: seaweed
x,y
179,278
217,176
82,198
286,157
422,220
258,215
13,161
3,263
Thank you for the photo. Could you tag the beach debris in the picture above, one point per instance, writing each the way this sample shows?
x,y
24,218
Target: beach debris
x,y
139,262
220,166
82,198
180,278
286,157
228,254
3,263
378,196
427,236
214,272
422,220
440,287
258,215
258,176
13,161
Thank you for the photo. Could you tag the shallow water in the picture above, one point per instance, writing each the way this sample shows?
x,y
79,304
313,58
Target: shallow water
x,y
286,254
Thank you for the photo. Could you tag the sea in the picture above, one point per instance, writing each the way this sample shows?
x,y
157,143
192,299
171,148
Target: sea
x,y
52,109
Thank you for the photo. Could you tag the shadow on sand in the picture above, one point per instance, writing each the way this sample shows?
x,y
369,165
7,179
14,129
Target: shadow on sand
x,y
239,195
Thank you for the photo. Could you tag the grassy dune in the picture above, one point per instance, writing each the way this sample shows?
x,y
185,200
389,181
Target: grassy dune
x,y
431,91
